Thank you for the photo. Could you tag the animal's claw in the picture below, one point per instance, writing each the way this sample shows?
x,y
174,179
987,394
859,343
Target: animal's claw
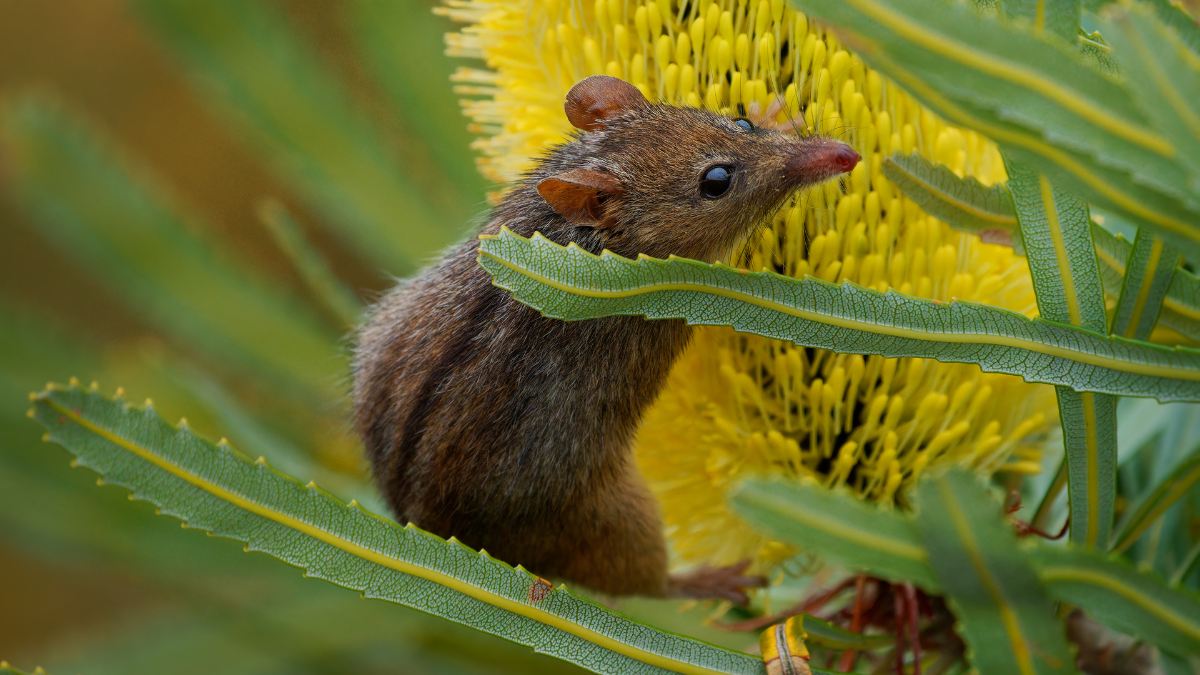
x,y
716,583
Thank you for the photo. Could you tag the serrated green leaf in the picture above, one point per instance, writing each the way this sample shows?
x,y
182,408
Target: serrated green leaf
x,y
1093,46
1181,307
836,525
987,7
99,209
1003,611
215,488
1170,12
1056,229
1149,271
964,203
1164,76
70,520
1036,98
338,300
298,112
1089,423
1165,495
1121,597
570,283
1060,17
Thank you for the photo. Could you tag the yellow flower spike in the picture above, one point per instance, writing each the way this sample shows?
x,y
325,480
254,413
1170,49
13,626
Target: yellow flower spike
x,y
726,27
792,99
852,101
616,11
824,86
712,19
762,18
761,94
871,208
664,9
654,19
696,34
724,56
766,52
621,40
875,89
894,478
637,69
663,49
777,9
839,66
687,81
945,439
591,56
741,52
847,457
1030,468
602,18
712,99
908,139
737,404
818,56
683,49
886,457
735,88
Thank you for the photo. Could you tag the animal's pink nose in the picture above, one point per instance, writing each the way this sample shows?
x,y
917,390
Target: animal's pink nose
x,y
818,159
846,159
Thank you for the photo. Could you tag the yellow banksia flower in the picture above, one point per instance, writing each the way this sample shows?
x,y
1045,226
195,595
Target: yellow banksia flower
x,y
736,404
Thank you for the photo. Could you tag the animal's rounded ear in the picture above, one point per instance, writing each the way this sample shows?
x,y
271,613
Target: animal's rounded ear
x,y
579,195
599,98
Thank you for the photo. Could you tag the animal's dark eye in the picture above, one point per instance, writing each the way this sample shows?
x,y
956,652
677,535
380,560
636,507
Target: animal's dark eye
x,y
716,181
745,124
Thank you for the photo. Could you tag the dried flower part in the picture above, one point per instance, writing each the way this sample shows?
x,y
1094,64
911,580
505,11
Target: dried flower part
x,y
738,404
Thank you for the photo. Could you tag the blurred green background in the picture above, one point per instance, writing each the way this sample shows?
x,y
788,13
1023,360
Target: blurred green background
x,y
196,201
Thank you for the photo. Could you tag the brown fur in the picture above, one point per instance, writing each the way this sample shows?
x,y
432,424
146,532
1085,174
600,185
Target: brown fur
x,y
488,422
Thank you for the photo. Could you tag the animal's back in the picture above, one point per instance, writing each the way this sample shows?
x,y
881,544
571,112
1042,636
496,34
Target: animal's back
x,y
484,418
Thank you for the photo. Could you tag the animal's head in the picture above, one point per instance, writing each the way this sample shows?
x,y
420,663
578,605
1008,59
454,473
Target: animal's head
x,y
661,179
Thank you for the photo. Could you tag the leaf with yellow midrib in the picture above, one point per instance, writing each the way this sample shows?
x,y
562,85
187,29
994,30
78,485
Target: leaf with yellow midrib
x,y
1056,230
1004,613
570,283
968,206
219,490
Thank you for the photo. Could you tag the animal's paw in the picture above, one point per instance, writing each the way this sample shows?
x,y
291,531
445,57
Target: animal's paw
x,y
715,583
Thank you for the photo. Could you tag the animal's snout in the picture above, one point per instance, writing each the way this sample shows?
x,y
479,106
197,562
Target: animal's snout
x,y
817,159
846,158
